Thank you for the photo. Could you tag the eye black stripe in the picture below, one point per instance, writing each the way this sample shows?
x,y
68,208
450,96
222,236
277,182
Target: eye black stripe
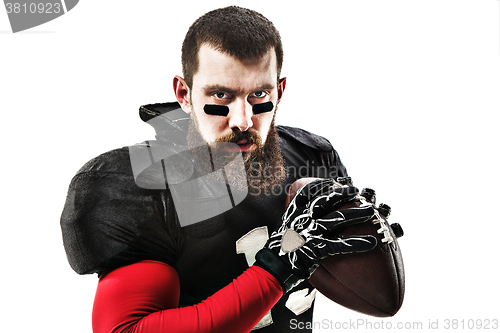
x,y
216,110
223,110
263,107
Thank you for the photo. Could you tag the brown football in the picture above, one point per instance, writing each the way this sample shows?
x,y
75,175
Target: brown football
x,y
371,282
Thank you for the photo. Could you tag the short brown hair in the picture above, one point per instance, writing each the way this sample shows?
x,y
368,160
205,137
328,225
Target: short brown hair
x,y
239,32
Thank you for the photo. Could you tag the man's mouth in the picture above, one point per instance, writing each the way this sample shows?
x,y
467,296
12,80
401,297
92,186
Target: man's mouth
x,y
243,146
239,142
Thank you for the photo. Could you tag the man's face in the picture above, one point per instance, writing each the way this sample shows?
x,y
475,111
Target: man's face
x,y
224,80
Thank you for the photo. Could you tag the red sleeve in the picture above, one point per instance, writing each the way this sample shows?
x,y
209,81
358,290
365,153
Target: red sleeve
x,y
143,298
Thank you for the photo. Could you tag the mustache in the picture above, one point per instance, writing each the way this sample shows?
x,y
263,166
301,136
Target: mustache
x,y
237,135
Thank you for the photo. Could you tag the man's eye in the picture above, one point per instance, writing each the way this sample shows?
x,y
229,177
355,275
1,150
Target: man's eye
x,y
260,94
220,95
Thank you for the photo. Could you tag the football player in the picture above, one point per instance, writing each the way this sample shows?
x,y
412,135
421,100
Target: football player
x,y
175,251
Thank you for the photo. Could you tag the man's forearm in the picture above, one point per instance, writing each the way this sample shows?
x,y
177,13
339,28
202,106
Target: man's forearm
x,y
143,298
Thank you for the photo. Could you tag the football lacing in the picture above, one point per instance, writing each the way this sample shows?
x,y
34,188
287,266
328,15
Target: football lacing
x,y
384,229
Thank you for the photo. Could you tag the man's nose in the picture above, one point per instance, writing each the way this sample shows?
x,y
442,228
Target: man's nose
x,y
240,116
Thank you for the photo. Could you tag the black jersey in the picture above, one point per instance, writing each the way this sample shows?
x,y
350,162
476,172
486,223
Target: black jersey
x,y
109,221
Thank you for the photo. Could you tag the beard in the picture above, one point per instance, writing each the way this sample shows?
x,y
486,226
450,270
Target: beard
x,y
264,166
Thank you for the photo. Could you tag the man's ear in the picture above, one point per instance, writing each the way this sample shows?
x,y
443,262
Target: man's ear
x,y
281,88
181,91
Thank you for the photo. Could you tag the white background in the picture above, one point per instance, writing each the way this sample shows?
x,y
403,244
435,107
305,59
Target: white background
x,y
406,91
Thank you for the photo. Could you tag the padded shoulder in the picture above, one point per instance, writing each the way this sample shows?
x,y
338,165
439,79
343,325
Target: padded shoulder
x,y
108,221
309,155
114,161
304,137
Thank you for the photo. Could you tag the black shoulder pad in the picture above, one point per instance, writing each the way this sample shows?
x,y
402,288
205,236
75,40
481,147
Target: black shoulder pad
x,y
307,138
108,221
117,160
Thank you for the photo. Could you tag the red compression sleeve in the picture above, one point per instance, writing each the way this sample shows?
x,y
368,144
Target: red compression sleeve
x,y
143,298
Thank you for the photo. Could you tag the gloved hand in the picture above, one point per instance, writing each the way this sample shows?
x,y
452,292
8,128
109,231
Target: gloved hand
x,y
308,233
